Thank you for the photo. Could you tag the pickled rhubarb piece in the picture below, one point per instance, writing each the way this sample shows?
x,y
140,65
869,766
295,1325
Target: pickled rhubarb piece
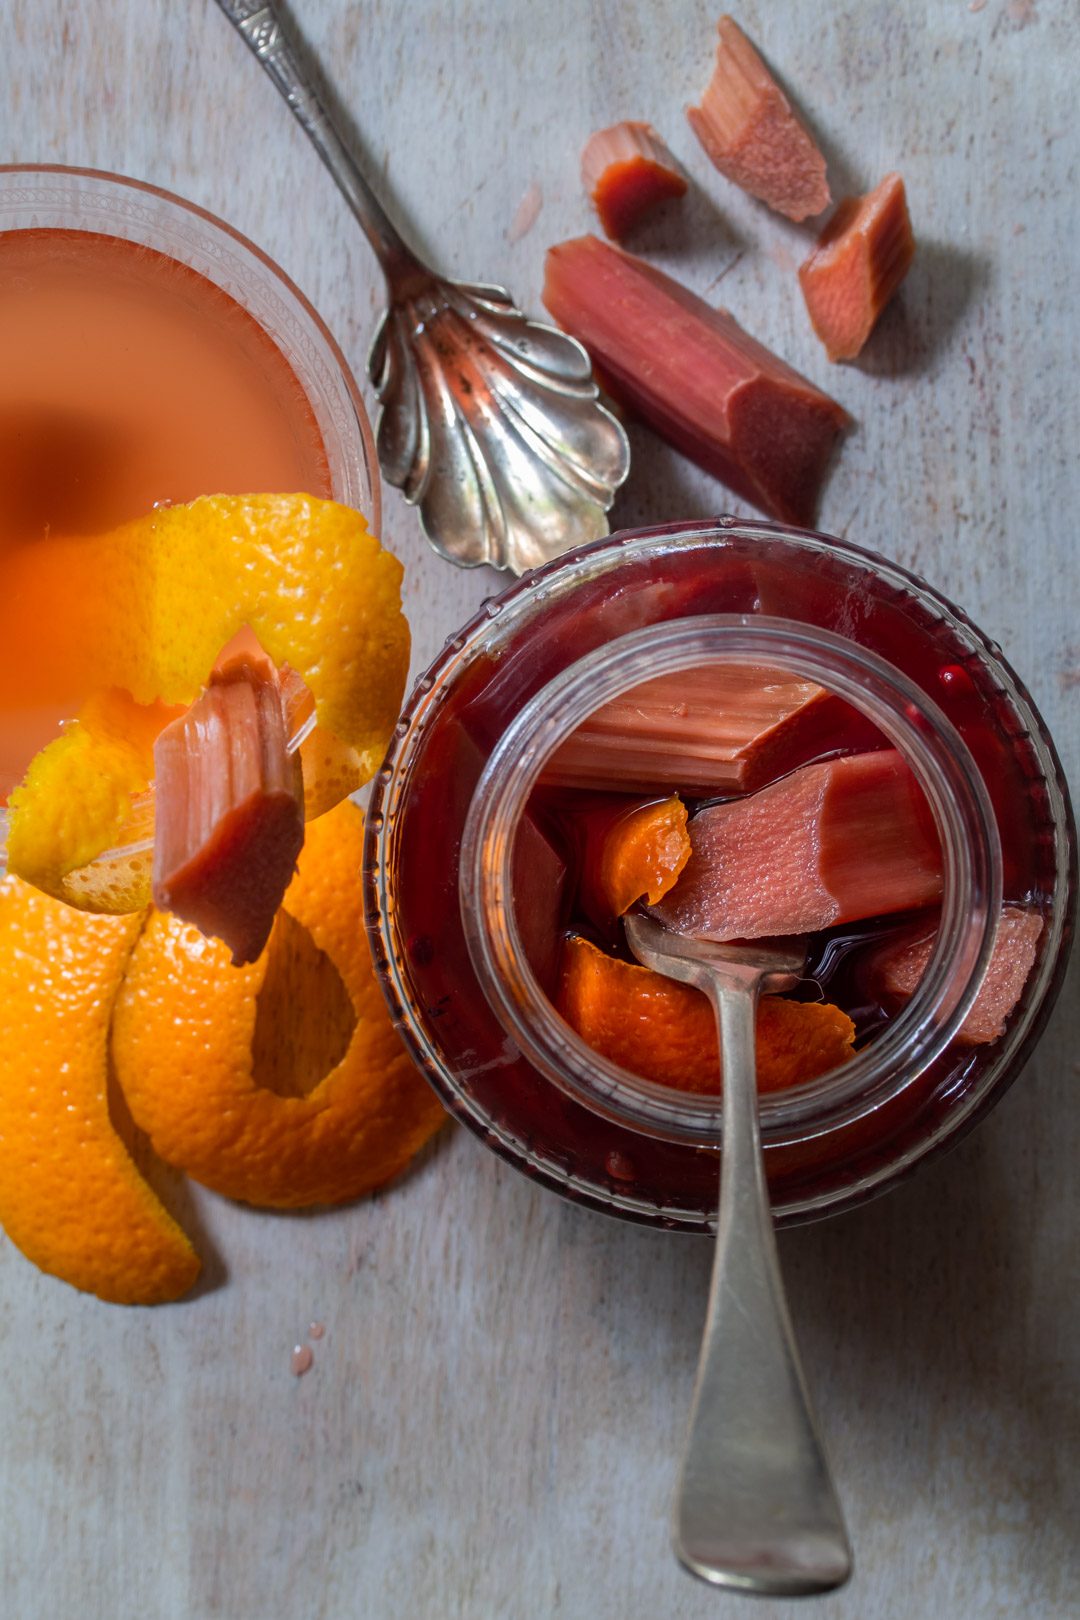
x,y
831,843
627,170
897,966
750,133
696,377
723,728
862,256
666,1032
229,820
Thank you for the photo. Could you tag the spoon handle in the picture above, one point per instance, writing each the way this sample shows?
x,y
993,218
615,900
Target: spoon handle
x,y
755,1509
259,25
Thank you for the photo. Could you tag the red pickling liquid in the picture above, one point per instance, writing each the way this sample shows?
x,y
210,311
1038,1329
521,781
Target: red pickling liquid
x,y
741,578
127,380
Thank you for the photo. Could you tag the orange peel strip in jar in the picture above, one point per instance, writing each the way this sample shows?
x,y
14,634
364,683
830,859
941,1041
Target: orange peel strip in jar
x,y
666,1032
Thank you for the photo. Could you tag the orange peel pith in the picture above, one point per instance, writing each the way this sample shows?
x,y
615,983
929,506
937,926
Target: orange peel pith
x,y
148,608
70,1196
184,1031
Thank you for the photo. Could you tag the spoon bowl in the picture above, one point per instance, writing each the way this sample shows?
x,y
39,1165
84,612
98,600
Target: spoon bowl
x,y
491,423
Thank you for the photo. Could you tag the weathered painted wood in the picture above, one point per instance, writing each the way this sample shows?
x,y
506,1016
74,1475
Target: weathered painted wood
x,y
490,1425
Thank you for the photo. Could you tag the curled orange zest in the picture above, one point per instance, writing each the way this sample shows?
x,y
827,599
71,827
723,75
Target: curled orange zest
x,y
643,854
70,1196
666,1032
282,1083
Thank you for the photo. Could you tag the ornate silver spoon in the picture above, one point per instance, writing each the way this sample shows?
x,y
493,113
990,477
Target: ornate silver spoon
x,y
756,1509
490,422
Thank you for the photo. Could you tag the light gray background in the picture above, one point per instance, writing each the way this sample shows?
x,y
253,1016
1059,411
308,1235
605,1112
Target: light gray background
x,y
490,1426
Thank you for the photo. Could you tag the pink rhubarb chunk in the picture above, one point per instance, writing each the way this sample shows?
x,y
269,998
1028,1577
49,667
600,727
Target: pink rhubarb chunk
x,y
750,133
897,967
862,256
831,843
723,728
229,808
696,377
627,170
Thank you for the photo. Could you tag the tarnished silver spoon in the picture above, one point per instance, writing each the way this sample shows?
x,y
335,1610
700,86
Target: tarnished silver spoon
x,y
755,1509
490,422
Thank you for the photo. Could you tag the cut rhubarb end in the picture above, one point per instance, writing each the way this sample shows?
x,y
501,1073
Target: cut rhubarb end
x,y
897,967
751,134
696,377
627,170
666,1032
723,728
831,843
229,822
861,258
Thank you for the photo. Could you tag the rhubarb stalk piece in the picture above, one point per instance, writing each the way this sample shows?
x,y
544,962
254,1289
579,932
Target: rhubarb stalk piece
x,y
723,728
627,170
696,377
229,821
750,133
897,966
862,256
831,843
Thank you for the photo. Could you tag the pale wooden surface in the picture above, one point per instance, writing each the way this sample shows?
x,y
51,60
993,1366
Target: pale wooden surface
x,y
490,1425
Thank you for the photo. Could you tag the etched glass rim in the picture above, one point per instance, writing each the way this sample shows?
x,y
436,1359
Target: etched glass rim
x,y
941,763
500,620
59,196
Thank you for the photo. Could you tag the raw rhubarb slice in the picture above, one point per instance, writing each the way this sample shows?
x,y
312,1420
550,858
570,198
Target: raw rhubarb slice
x,y
897,966
723,728
627,170
229,815
831,843
862,256
750,133
696,377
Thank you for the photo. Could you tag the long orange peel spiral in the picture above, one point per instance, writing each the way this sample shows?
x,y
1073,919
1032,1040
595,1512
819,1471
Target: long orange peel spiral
x,y
143,613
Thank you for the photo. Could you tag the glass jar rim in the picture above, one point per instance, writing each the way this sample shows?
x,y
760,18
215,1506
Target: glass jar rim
x,y
941,763
358,479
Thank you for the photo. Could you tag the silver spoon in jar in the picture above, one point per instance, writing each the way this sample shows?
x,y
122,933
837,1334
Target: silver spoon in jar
x,y
755,1509
490,422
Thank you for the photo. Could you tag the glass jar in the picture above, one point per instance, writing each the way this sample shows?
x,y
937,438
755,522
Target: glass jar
x,y
447,814
36,197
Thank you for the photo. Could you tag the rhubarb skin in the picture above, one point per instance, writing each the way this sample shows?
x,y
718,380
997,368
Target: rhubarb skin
x,y
229,820
831,843
862,256
666,1032
627,171
897,966
751,134
723,728
696,377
